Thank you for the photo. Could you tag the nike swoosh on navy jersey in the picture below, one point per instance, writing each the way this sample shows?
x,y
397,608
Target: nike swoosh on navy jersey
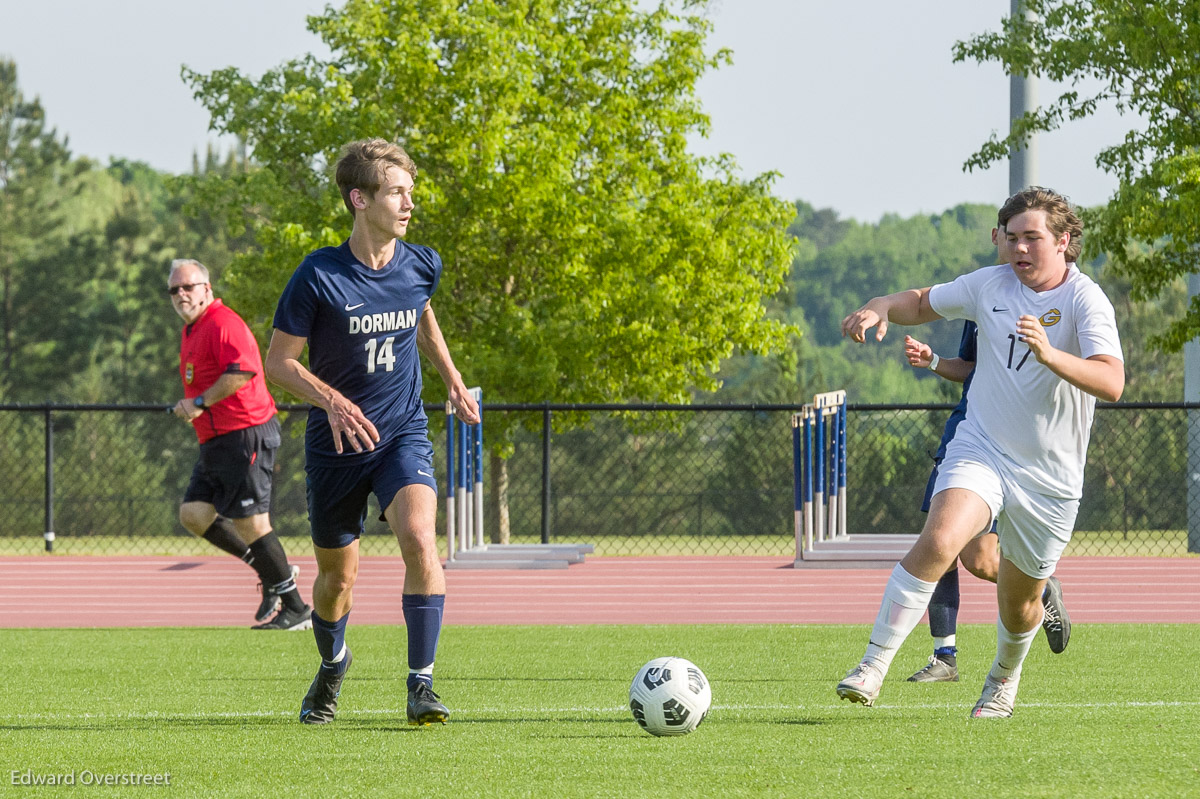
x,y
350,307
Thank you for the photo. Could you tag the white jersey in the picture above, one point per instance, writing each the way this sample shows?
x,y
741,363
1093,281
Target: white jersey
x,y
1038,423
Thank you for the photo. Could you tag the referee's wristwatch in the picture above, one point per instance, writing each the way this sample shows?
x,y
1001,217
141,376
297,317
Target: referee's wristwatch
x,y
933,365
199,402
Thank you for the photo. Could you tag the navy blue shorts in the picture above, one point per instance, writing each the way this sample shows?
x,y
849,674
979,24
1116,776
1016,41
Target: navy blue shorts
x,y
929,486
337,495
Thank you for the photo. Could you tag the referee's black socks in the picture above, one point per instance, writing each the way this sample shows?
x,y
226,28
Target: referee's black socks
x,y
222,536
271,563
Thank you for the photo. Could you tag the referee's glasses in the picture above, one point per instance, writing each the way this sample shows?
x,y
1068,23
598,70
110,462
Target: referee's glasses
x,y
174,290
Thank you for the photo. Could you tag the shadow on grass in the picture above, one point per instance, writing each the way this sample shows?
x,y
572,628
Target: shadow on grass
x,y
157,723
394,725
500,678
389,724
541,720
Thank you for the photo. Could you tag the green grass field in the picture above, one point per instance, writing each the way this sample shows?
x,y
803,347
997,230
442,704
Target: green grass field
x,y
541,712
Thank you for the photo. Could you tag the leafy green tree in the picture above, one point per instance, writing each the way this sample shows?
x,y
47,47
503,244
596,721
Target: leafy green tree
x,y
590,256
1143,57
34,167
1151,375
113,336
839,264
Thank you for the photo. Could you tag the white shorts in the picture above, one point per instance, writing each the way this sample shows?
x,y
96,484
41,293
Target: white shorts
x,y
1034,528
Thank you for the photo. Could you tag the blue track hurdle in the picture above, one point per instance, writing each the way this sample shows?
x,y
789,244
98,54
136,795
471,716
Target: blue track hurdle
x,y
819,470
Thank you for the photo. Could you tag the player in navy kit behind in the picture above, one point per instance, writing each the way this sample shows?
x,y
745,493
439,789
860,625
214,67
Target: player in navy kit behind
x,y
363,308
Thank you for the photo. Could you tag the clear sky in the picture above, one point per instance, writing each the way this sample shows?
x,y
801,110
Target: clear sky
x,y
856,103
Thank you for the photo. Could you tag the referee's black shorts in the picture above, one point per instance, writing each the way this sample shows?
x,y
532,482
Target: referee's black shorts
x,y
234,471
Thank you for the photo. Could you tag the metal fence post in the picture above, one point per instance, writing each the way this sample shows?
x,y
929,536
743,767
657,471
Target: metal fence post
x,y
1193,480
546,474
48,535
1191,393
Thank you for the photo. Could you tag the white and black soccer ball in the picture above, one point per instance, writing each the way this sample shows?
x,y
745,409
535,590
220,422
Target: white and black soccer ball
x,y
669,696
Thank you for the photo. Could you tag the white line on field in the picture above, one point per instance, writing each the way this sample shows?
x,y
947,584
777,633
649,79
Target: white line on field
x,y
461,712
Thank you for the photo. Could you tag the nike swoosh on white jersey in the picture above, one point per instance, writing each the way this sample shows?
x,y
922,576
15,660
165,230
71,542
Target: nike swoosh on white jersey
x,y
350,307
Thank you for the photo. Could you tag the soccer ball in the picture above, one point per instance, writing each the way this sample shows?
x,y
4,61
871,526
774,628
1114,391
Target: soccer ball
x,y
669,696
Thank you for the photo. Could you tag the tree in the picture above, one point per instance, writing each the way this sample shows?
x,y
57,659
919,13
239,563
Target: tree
x,y
590,256
838,266
33,166
1143,55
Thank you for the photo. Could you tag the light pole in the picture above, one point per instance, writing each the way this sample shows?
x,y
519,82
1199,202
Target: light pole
x,y
1022,98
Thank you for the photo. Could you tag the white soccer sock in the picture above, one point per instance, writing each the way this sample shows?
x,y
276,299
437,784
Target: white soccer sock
x,y
944,643
1011,649
904,602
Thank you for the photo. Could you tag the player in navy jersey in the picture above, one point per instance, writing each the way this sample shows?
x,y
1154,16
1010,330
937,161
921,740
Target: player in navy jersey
x,y
981,556
363,308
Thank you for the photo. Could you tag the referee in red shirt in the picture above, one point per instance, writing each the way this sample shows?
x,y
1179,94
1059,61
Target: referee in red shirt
x,y
226,401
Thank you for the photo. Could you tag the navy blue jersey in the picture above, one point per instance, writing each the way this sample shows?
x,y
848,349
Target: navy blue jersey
x,y
966,351
361,326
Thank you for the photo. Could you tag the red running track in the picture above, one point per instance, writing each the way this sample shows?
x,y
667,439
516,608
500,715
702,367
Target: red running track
x,y
64,591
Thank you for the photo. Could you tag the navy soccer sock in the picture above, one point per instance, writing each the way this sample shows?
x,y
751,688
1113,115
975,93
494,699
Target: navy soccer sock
x,y
423,618
943,610
331,642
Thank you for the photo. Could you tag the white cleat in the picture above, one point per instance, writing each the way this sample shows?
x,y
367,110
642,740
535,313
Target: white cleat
x,y
862,684
999,696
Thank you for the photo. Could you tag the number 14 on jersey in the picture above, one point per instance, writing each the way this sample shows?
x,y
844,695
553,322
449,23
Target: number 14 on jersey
x,y
380,354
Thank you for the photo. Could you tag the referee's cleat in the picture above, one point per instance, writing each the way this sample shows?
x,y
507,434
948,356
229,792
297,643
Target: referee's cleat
x,y
936,670
424,707
270,600
1056,621
320,703
862,684
288,619
270,603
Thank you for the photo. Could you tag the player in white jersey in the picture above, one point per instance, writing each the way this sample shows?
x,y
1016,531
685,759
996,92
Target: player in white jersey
x,y
981,556
1047,349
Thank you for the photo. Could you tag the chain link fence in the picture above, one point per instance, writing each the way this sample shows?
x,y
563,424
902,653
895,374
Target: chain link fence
x,y
630,480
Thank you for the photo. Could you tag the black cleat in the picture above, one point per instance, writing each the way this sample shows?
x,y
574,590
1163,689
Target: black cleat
x,y
320,702
288,619
270,604
424,707
1056,621
270,600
